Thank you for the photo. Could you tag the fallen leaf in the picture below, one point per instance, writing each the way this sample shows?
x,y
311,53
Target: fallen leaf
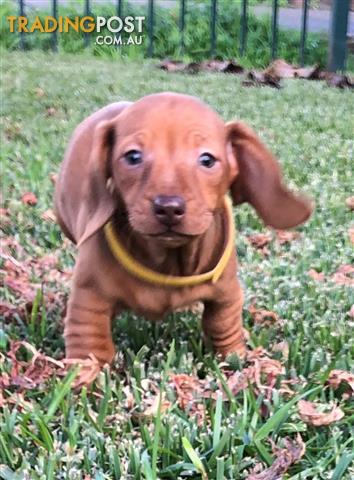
x,y
51,111
351,235
29,198
351,311
337,80
89,368
281,69
309,413
53,178
286,236
260,79
171,65
344,275
350,203
317,276
338,377
152,407
190,390
263,317
221,66
39,92
5,216
260,241
49,216
18,273
32,373
283,348
187,387
227,66
292,452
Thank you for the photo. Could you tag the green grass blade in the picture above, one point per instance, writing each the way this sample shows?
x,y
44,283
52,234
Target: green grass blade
x,y
60,392
192,454
342,465
281,415
217,420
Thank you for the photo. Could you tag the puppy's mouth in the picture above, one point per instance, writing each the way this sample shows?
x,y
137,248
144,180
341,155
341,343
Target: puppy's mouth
x,y
171,238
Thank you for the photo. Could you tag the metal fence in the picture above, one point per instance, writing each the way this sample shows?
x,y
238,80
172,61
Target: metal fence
x,y
337,38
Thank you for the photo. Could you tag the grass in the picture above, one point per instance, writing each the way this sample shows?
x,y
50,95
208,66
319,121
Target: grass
x,y
53,432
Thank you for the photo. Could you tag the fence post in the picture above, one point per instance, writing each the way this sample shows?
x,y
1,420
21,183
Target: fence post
x,y
87,13
274,29
338,35
213,27
182,23
55,33
119,8
119,14
304,31
151,28
22,14
244,21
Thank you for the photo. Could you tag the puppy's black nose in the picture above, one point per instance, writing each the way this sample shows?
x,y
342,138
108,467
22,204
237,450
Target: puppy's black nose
x,y
169,209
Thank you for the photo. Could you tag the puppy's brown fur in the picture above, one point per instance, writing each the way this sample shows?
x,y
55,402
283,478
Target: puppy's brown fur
x,y
171,131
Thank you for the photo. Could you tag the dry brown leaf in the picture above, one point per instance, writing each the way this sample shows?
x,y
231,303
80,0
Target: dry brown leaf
x,y
51,111
283,348
222,66
29,198
317,276
310,414
263,317
351,235
53,178
337,80
17,275
338,377
187,388
281,69
32,373
260,241
344,275
286,236
351,311
5,216
39,92
350,203
285,457
49,216
260,79
152,407
190,390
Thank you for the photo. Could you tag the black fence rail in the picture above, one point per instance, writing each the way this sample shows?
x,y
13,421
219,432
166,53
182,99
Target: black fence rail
x,y
337,45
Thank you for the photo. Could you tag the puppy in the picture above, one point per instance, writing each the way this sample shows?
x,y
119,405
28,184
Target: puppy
x,y
142,193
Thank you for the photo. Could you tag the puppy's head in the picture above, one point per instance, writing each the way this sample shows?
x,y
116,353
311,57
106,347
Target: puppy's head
x,y
168,160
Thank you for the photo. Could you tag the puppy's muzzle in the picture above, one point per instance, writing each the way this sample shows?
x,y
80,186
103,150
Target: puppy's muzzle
x,y
169,209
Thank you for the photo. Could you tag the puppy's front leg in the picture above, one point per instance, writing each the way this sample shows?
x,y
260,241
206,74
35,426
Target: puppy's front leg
x,y
222,322
87,330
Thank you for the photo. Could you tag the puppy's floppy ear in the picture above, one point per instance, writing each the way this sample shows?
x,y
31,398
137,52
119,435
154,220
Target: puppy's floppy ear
x,y
259,181
98,202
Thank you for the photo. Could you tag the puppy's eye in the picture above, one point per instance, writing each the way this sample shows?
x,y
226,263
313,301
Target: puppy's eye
x,y
133,157
207,160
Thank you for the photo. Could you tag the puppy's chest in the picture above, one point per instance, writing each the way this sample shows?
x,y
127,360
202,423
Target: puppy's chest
x,y
155,303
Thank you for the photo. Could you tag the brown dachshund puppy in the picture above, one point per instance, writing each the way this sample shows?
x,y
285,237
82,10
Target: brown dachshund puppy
x,y
157,172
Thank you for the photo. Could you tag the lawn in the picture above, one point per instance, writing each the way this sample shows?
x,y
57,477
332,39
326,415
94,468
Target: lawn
x,y
168,408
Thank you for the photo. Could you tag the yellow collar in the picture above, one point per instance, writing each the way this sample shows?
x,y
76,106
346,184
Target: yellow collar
x,y
150,276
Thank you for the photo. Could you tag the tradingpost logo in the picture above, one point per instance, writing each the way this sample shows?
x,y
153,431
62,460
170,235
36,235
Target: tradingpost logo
x,y
122,31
